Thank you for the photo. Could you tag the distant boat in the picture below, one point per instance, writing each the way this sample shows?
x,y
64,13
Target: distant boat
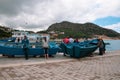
x,y
78,50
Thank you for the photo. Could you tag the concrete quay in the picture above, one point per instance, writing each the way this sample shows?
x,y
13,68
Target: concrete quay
x,y
106,67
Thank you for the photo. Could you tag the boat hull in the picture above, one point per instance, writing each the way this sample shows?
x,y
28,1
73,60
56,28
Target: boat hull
x,y
11,49
78,50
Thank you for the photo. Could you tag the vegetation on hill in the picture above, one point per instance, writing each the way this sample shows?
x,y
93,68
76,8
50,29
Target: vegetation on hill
x,y
5,32
80,30
66,29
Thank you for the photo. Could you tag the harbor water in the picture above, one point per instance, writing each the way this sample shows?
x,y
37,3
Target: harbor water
x,y
113,45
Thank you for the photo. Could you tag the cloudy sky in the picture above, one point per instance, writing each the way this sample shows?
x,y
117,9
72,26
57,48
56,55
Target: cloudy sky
x,y
38,15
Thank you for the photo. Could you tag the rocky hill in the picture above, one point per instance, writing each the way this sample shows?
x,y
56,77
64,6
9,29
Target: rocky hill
x,y
81,30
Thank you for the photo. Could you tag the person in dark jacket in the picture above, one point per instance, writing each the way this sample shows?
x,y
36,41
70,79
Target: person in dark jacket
x,y
25,43
76,40
101,46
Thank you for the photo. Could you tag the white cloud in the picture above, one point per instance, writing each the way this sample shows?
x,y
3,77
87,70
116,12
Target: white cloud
x,y
39,14
115,27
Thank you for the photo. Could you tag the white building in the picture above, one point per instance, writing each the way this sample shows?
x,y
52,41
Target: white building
x,y
32,37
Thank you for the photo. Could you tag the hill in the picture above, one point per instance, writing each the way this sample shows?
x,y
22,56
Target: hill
x,y
65,29
5,32
81,30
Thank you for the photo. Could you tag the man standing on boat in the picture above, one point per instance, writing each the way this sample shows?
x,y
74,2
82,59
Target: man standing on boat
x,y
25,43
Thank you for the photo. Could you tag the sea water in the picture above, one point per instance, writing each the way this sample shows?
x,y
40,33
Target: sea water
x,y
114,45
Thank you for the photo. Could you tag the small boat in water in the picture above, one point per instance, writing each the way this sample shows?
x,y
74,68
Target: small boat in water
x,y
81,49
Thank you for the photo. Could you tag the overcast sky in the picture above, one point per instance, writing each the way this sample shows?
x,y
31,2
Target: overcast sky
x,y
38,15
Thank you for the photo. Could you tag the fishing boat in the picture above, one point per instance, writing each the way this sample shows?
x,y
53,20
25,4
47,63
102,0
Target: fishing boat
x,y
11,49
78,50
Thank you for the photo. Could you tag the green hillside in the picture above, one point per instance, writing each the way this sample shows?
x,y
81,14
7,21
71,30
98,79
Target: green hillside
x,y
5,32
75,30
81,30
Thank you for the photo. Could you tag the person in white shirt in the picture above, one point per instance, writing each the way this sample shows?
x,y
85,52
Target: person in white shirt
x,y
71,40
45,44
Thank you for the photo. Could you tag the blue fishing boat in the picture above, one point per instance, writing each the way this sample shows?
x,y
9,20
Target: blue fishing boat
x,y
12,49
81,49
12,46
